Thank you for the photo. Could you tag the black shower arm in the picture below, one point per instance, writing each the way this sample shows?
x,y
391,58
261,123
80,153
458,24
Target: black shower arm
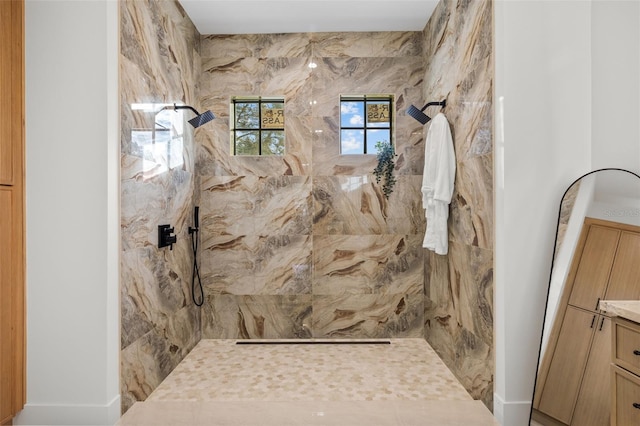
x,y
441,103
177,107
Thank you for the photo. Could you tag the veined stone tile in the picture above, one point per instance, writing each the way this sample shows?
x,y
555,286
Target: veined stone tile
x,y
283,206
341,76
404,207
471,217
459,314
367,264
471,33
244,205
350,205
283,76
409,143
228,204
140,367
135,320
256,45
250,265
147,203
567,204
159,63
471,281
229,46
368,316
215,157
342,45
459,288
160,49
396,43
183,329
148,361
468,357
153,289
285,45
236,77
256,317
355,205
327,160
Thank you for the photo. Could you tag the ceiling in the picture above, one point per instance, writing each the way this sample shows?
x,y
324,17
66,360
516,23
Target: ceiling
x,y
299,16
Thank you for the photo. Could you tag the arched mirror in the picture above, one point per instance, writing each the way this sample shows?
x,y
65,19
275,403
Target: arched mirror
x,y
596,257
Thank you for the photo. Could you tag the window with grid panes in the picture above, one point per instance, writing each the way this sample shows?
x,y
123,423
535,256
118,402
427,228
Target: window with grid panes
x,y
364,121
257,126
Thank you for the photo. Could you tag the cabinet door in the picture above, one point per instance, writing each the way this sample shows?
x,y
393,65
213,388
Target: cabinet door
x,y
625,275
594,402
6,278
567,366
626,396
10,89
594,268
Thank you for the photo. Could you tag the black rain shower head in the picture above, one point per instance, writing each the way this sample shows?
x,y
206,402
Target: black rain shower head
x,y
199,119
419,115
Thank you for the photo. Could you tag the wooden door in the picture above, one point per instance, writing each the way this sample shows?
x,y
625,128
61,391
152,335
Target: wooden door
x,y
593,407
594,268
565,372
12,338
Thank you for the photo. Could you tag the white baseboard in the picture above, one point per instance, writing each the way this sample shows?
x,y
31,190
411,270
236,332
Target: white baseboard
x,y
58,414
513,413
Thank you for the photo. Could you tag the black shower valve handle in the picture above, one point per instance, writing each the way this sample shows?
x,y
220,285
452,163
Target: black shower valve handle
x,y
164,236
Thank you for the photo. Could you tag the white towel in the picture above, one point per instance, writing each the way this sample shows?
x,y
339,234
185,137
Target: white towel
x,y
437,183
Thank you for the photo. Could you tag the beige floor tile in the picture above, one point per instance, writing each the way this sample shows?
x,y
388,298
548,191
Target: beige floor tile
x,y
346,384
309,413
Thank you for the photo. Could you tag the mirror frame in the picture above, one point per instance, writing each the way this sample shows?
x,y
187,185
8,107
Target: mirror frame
x,y
553,256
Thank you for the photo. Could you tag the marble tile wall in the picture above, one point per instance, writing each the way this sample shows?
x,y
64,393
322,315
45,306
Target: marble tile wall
x,y
159,63
459,287
305,245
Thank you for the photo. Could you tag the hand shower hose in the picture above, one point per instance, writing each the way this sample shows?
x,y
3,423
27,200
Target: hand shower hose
x,y
196,271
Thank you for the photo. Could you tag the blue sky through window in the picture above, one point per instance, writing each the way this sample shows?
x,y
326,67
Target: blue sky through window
x,y
352,114
356,129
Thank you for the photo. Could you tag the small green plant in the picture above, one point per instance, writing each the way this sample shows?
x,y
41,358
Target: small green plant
x,y
385,167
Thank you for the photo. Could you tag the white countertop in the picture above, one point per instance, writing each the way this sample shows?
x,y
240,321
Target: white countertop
x,y
628,309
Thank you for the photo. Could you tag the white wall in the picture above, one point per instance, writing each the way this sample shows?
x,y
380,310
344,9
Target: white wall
x,y
554,67
616,84
72,212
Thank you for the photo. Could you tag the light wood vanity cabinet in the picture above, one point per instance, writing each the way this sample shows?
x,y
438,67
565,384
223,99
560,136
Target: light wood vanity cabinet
x,y
624,283
592,406
625,377
574,380
572,396
594,267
